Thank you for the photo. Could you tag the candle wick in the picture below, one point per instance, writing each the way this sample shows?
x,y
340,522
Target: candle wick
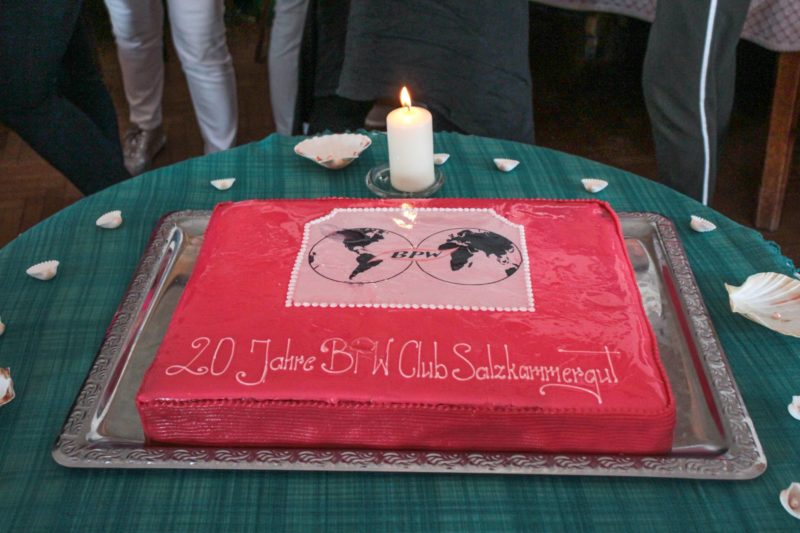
x,y
408,107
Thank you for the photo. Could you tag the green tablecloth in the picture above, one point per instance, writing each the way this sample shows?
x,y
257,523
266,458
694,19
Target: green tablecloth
x,y
54,330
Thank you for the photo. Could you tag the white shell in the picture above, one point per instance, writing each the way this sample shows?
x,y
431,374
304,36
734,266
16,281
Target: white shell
x,y
223,184
440,159
333,151
44,271
794,407
594,185
6,386
110,220
505,165
769,299
790,499
702,225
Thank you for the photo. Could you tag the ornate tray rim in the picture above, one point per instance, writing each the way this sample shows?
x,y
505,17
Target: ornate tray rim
x,y
744,458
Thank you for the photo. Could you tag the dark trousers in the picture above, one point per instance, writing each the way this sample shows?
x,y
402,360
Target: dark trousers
x,y
688,81
337,114
327,42
52,94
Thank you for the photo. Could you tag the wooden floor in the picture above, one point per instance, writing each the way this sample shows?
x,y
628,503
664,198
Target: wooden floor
x,y
592,108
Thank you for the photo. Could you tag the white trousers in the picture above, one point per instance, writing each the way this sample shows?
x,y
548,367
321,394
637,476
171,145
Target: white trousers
x,y
198,33
284,61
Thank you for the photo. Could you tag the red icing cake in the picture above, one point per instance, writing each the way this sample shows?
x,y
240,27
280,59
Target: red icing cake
x,y
444,324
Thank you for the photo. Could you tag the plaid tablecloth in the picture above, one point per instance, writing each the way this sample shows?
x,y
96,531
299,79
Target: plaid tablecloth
x,y
773,24
54,329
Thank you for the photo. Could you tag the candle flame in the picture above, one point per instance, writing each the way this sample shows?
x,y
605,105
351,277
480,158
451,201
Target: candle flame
x,y
405,98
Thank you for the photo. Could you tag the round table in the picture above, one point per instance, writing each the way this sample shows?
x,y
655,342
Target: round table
x,y
54,330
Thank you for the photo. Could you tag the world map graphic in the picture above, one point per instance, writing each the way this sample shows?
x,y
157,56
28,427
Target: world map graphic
x,y
465,256
477,256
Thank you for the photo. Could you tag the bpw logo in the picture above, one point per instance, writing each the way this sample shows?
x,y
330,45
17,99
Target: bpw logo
x,y
415,254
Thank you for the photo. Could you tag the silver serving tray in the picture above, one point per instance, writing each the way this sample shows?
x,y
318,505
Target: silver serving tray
x,y
714,436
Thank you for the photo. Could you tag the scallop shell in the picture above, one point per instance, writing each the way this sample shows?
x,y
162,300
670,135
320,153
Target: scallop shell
x,y
333,151
702,225
223,184
505,165
440,159
6,386
110,220
790,499
594,185
769,299
794,407
44,271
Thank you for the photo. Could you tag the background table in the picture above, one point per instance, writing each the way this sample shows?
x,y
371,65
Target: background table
x,y
54,329
773,24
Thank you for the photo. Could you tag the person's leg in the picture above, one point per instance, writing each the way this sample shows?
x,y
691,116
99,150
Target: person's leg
x,y
198,31
330,112
138,27
337,114
82,84
688,81
721,80
284,61
37,37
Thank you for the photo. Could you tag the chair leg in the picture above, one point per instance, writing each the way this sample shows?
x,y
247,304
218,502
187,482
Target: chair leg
x,y
780,141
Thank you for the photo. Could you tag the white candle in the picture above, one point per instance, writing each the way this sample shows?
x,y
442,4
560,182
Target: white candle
x,y
410,136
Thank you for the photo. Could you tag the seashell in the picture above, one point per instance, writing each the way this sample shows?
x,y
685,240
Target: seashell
x,y
790,499
702,225
794,407
769,299
6,386
44,271
440,159
594,185
2,327
223,184
110,220
333,151
505,165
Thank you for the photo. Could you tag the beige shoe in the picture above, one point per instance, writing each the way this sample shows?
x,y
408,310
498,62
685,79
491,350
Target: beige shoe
x,y
141,146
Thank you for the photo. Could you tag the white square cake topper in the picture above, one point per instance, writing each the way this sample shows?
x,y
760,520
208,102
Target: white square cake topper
x,y
407,257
